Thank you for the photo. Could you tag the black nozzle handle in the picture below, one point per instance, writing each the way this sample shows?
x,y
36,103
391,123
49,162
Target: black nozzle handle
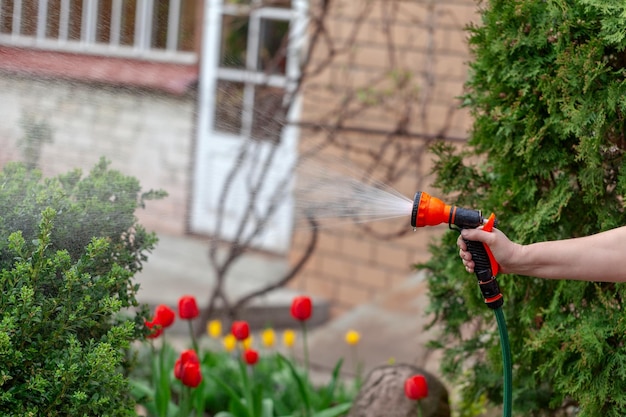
x,y
466,218
484,272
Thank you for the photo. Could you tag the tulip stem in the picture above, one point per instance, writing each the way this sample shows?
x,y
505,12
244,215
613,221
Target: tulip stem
x,y
306,349
185,399
419,408
194,342
163,393
247,388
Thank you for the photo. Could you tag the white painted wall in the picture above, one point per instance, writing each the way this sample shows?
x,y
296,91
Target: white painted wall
x,y
145,135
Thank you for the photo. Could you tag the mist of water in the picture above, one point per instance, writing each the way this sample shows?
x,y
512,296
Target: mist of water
x,y
333,191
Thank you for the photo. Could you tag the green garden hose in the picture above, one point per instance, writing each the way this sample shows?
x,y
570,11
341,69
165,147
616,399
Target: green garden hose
x,y
506,363
430,211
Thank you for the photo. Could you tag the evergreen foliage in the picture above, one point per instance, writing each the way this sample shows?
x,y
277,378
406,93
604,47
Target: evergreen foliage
x,y
69,247
548,94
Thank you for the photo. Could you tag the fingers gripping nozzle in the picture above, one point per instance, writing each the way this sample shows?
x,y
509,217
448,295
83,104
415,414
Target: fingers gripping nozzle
x,y
430,211
486,268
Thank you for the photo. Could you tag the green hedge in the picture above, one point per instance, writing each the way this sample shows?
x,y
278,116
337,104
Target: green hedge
x,y
548,94
69,247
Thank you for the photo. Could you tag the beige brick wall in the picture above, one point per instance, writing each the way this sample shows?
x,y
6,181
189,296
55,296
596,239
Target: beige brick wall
x,y
145,135
356,95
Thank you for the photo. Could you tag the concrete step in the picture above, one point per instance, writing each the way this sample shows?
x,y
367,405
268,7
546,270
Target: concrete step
x,y
180,266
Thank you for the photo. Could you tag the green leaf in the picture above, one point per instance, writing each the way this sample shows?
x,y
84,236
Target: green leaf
x,y
335,411
144,395
267,408
302,386
224,414
236,401
329,390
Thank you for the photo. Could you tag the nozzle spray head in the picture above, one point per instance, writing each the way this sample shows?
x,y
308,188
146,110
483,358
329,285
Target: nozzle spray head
x,y
431,211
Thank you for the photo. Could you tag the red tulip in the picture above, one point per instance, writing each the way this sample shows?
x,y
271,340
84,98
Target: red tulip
x,y
155,329
251,356
240,329
301,308
187,307
164,315
191,374
416,387
186,356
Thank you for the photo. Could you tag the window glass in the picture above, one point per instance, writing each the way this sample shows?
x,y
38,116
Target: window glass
x,y
6,16
229,107
269,113
234,41
273,46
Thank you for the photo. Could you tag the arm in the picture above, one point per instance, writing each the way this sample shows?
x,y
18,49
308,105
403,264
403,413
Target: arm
x,y
592,258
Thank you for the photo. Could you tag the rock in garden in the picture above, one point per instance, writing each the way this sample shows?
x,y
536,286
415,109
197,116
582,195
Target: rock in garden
x,y
382,394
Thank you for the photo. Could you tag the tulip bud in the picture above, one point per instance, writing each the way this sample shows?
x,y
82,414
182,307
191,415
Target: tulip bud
x,y
416,387
301,308
187,307
155,329
247,344
241,330
214,329
352,337
268,337
191,375
289,338
186,356
164,315
230,343
251,356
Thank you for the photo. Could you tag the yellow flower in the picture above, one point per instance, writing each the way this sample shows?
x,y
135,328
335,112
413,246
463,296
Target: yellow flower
x,y
214,329
268,337
289,338
247,344
229,342
352,337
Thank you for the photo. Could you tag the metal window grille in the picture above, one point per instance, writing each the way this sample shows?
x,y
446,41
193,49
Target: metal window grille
x,y
160,31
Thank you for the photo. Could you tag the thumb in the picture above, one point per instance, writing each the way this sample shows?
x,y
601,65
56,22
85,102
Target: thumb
x,y
477,235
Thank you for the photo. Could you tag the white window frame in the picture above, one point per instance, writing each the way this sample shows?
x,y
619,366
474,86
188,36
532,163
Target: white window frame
x,y
211,73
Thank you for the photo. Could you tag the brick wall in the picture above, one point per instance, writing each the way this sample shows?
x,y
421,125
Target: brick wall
x,y
145,135
355,94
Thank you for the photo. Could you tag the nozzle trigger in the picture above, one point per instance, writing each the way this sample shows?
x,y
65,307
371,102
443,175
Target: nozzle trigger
x,y
486,268
488,227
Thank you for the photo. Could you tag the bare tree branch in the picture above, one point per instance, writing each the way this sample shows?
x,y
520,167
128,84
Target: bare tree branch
x,y
308,252
389,88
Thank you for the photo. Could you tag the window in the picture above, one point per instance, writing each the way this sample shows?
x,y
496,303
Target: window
x,y
252,76
147,29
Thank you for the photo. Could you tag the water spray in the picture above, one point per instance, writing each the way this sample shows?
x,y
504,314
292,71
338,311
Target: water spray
x,y
431,211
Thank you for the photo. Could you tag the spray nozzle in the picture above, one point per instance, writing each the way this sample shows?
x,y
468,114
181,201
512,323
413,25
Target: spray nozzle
x,y
431,211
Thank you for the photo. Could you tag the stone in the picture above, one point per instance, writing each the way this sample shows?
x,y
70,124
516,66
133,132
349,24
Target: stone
x,y
382,394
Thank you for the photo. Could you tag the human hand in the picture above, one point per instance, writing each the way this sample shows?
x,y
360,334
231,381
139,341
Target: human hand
x,y
504,251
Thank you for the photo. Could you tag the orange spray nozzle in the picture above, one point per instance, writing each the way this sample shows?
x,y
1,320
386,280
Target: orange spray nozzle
x,y
431,211
428,210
